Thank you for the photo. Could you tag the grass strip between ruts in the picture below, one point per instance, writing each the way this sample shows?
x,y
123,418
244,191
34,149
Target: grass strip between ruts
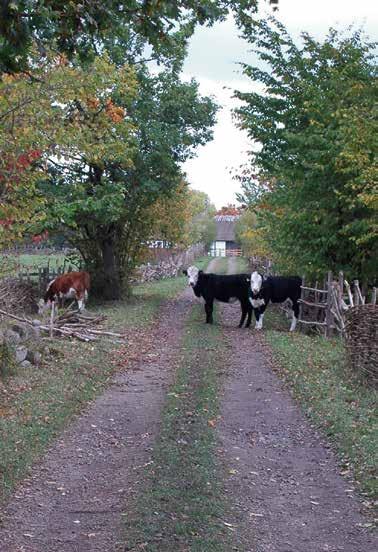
x,y
182,508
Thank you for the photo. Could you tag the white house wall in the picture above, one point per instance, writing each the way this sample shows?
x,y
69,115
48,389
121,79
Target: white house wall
x,y
218,249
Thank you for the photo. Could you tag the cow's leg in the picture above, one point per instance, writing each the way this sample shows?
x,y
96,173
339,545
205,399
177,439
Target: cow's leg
x,y
244,313
80,300
209,312
246,309
257,316
295,316
260,317
249,311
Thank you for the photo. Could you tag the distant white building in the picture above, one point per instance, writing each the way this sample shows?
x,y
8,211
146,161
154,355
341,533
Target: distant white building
x,y
224,243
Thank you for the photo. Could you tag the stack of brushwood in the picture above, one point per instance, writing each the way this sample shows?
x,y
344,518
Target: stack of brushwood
x,y
361,339
70,323
17,296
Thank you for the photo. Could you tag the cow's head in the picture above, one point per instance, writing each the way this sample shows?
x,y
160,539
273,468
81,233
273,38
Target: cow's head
x,y
256,283
45,302
192,273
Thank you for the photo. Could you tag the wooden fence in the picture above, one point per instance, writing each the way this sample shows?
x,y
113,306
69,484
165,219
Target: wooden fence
x,y
325,307
40,277
225,253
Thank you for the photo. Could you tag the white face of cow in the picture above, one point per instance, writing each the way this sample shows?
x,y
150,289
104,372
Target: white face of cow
x,y
192,273
256,282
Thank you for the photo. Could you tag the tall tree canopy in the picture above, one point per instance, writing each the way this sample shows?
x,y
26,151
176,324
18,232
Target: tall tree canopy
x,y
61,115
81,27
106,179
313,181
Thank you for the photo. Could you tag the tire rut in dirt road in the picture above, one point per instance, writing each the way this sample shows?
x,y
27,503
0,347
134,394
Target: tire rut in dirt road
x,y
74,498
283,483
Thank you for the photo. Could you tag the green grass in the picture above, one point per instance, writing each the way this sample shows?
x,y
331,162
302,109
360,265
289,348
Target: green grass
x,y
31,262
40,260
221,266
241,265
35,404
182,506
145,301
339,402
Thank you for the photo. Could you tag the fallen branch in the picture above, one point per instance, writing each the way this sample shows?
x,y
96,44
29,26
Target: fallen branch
x,y
71,324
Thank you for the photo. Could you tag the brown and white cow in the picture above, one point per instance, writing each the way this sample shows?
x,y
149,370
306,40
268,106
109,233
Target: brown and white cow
x,y
72,285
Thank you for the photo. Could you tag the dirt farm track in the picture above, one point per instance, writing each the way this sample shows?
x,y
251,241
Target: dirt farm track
x,y
280,478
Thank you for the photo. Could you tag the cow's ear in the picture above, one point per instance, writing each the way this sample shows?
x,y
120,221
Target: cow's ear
x,y
185,272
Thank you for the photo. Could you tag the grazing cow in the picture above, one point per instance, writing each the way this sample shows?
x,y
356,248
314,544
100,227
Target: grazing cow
x,y
222,288
72,285
275,289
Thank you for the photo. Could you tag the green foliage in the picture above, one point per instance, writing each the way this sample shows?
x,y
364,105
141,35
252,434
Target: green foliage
x,y
315,184
62,113
84,27
107,179
249,235
112,138
201,225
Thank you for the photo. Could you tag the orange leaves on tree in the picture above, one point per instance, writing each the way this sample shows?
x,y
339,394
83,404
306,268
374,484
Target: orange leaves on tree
x,y
115,113
229,210
93,103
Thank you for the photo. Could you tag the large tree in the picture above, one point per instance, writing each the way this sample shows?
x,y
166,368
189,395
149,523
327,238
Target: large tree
x,y
101,187
313,181
82,27
57,115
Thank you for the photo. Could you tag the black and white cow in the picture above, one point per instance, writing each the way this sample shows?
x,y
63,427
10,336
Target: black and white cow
x,y
275,289
226,289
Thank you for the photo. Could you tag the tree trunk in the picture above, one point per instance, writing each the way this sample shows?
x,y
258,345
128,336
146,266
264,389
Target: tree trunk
x,y
108,280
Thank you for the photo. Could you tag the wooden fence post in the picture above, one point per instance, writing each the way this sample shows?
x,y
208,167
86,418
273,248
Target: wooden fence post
x,y
341,284
356,297
328,313
374,296
302,298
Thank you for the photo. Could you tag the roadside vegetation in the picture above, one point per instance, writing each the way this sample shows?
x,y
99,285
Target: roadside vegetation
x,y
339,402
35,404
314,172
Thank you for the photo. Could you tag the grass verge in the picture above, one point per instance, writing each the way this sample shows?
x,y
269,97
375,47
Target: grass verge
x,y
36,403
340,403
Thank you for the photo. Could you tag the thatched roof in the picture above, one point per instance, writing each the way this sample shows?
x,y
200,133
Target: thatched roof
x,y
225,228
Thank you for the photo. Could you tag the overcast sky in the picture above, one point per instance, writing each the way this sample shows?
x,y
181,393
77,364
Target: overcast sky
x,y
212,60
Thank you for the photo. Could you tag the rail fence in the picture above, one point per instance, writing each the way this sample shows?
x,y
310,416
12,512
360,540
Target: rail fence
x,y
40,277
225,253
326,307
340,308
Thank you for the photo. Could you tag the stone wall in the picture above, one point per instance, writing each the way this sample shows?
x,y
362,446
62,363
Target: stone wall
x,y
20,344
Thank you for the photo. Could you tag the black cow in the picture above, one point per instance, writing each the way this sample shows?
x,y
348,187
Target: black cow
x,y
275,289
222,288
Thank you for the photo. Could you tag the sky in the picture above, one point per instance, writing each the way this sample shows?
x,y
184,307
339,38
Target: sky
x,y
213,57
